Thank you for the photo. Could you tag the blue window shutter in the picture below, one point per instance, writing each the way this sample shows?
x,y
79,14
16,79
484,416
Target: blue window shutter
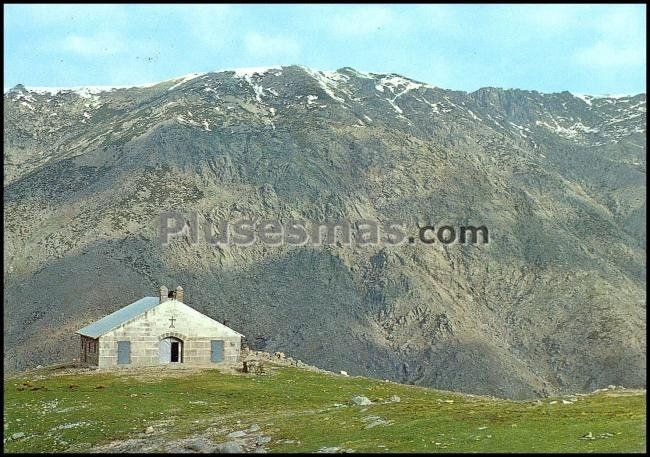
x,y
123,352
216,355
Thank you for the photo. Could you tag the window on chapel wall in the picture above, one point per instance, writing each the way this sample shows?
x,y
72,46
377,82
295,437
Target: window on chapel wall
x,y
123,352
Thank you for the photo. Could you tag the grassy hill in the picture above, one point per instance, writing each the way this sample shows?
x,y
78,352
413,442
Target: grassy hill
x,y
292,409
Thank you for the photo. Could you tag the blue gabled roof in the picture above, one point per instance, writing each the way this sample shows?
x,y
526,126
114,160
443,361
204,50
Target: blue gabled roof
x,y
108,323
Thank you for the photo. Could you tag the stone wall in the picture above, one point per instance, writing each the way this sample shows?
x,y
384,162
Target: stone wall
x,y
146,331
89,354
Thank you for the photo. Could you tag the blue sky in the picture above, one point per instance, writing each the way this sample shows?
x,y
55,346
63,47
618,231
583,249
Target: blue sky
x,y
594,49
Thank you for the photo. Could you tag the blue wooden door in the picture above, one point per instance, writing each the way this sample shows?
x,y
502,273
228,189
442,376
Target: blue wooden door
x,y
217,351
123,352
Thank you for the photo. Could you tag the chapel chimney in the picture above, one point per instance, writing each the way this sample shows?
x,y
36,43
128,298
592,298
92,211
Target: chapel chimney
x,y
163,294
179,293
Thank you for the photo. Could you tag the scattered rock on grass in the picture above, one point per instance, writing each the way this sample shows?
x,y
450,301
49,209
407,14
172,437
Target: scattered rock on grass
x,y
332,450
262,440
199,444
373,421
229,447
361,401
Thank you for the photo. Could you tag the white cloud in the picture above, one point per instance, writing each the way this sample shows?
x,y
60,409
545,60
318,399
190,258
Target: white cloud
x,y
618,39
623,22
89,14
94,45
279,47
605,54
552,18
436,12
209,25
361,20
602,36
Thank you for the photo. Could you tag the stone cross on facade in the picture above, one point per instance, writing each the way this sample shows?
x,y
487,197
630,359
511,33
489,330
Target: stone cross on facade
x,y
172,322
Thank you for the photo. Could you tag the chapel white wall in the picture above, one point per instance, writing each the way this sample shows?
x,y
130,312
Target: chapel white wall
x,y
145,332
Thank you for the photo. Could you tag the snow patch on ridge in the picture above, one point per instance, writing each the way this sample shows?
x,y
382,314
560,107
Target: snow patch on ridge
x,y
89,91
395,82
395,107
584,97
250,71
570,132
474,116
326,83
184,79
83,91
588,98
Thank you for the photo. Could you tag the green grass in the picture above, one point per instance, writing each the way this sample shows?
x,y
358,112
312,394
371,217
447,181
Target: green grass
x,y
293,404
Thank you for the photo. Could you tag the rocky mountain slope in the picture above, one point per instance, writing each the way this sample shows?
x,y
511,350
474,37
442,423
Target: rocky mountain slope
x,y
555,302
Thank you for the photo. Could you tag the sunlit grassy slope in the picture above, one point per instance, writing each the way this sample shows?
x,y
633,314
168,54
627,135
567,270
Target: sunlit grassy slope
x,y
77,411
